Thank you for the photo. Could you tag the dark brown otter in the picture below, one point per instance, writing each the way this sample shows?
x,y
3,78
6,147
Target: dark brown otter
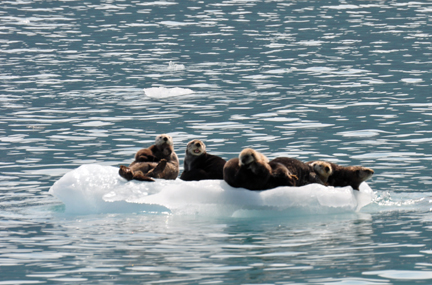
x,y
252,170
304,172
200,165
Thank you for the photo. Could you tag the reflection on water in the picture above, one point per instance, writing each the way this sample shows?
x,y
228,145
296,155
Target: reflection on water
x,y
347,82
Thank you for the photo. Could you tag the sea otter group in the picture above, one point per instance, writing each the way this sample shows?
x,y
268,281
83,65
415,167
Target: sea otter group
x,y
251,170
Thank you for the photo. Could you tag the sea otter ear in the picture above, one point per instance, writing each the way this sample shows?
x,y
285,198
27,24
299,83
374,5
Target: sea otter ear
x,y
327,169
358,173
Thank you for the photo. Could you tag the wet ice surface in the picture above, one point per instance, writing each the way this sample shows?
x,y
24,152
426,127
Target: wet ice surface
x,y
94,188
346,82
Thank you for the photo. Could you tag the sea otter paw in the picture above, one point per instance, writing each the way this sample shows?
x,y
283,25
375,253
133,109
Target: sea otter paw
x,y
141,177
155,172
126,173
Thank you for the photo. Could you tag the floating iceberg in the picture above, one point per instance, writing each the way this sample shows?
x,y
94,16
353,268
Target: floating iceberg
x,y
94,188
162,92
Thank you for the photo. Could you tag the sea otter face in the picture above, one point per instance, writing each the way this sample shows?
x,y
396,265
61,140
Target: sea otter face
x,y
196,147
364,173
248,156
322,168
164,143
163,139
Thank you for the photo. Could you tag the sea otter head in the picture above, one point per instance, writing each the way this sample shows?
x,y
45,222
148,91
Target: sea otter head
x,y
363,173
165,144
195,148
358,174
322,168
248,156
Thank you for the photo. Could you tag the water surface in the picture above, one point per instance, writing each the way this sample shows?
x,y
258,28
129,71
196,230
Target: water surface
x,y
346,82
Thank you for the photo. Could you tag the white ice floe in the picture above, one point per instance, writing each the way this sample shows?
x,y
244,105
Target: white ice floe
x,y
94,188
162,92
412,80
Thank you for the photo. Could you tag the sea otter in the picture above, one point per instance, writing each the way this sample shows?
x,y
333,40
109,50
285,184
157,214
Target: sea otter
x,y
348,175
305,173
322,168
157,161
200,165
252,170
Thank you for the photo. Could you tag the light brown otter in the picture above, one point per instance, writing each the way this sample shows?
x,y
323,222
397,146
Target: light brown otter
x,y
348,175
157,161
200,165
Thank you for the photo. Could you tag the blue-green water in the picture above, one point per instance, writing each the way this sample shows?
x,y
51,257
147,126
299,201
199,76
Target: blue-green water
x,y
346,81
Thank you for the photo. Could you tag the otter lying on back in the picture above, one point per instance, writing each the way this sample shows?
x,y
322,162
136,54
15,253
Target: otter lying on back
x,y
346,175
200,165
157,161
252,170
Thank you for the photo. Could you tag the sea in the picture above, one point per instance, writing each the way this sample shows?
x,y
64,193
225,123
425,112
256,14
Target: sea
x,y
86,84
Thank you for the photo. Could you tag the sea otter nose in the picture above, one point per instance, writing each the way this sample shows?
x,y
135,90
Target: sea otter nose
x,y
197,144
165,138
245,159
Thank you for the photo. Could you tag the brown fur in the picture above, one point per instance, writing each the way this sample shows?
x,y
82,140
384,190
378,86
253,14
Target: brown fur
x,y
304,172
252,170
200,165
157,161
281,176
348,175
